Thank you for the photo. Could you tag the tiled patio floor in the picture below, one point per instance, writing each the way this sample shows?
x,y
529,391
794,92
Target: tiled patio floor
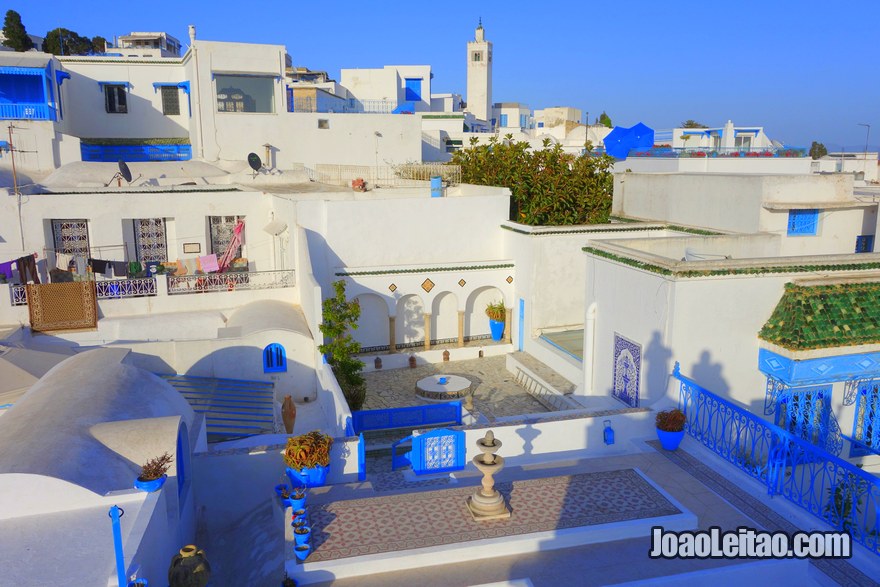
x,y
433,518
496,393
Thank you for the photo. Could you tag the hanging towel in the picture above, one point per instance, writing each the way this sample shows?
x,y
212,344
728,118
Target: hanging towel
x,y
80,265
98,265
209,263
120,268
190,265
135,268
6,269
108,271
61,276
62,261
27,270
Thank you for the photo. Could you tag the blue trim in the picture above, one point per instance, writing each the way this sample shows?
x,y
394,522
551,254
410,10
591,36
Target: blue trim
x,y
22,70
520,323
60,76
362,458
274,359
135,153
795,372
412,417
413,89
115,514
803,222
865,243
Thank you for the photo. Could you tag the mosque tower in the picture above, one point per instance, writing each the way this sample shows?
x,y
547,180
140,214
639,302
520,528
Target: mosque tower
x,y
479,75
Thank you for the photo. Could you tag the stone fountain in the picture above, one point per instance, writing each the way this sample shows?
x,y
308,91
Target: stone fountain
x,y
486,503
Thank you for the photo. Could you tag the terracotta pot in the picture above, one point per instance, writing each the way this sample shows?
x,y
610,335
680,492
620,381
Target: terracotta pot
x,y
190,568
288,413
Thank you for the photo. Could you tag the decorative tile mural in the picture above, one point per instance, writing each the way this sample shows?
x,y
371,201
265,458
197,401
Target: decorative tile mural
x,y
428,285
627,368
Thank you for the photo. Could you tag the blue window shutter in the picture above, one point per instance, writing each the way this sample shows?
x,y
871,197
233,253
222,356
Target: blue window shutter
x,y
274,359
413,89
540,125
504,120
803,222
522,121
865,243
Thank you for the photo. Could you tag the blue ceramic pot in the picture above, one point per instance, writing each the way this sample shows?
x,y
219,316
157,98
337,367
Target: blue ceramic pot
x,y
670,440
304,537
302,551
309,476
497,329
151,485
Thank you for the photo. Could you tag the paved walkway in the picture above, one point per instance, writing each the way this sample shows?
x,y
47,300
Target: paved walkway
x,y
496,393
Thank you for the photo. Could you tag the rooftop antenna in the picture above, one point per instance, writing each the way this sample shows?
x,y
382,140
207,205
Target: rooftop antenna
x,y
254,161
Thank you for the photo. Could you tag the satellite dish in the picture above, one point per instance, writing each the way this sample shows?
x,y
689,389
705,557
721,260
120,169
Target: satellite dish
x,y
124,171
254,161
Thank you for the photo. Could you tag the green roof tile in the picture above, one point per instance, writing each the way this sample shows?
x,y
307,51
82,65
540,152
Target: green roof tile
x,y
823,316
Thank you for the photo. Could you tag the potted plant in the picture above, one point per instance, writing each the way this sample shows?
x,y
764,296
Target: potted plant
x,y
302,534
288,581
302,551
153,473
307,457
670,428
497,314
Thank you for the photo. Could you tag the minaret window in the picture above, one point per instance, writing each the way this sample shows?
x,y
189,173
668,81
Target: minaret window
x,y
477,56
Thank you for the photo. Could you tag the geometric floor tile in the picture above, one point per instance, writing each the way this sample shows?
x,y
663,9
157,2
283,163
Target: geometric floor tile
x,y
431,518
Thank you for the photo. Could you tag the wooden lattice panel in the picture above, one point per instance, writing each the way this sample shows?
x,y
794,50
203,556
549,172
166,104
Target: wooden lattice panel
x,y
63,306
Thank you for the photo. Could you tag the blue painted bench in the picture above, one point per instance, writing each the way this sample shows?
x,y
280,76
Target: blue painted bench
x,y
437,451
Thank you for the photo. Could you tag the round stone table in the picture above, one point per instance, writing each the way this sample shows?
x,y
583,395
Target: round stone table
x,y
443,387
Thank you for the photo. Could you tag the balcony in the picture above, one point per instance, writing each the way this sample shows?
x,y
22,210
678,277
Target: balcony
x,y
26,111
340,106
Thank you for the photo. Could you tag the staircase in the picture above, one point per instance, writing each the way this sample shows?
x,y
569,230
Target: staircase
x,y
233,408
547,386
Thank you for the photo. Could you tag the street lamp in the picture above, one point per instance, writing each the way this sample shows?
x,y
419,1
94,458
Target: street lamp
x,y
867,135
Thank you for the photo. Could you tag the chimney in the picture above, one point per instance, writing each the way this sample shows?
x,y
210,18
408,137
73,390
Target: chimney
x,y
192,34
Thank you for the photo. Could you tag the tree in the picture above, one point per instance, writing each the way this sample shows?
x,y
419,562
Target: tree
x,y
339,316
692,124
818,150
15,33
99,44
62,41
605,120
548,186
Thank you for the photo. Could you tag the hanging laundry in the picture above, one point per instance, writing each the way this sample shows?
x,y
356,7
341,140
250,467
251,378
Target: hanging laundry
x,y
120,268
80,265
62,261
60,276
108,272
135,268
209,263
190,265
6,269
27,270
98,265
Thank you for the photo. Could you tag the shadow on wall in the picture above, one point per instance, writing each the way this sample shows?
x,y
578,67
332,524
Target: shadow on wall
x,y
708,375
659,368
410,315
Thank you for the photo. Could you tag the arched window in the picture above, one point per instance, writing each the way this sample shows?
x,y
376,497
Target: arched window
x,y
274,359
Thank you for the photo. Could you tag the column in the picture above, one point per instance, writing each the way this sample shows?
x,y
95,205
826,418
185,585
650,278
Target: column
x,y
461,328
392,341
427,331
508,322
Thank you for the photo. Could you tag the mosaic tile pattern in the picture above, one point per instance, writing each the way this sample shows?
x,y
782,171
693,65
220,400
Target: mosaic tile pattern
x,y
420,520
627,368
509,279
838,570
427,285
461,283
392,288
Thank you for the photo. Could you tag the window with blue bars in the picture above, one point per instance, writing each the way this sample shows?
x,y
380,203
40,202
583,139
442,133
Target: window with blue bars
x,y
523,120
503,120
274,359
865,243
803,222
805,412
413,89
866,427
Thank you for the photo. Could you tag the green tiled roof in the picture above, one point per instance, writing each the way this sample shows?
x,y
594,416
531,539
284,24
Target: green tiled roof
x,y
823,316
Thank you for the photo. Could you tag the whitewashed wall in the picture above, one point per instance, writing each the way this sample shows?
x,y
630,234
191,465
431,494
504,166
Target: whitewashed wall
x,y
745,165
40,148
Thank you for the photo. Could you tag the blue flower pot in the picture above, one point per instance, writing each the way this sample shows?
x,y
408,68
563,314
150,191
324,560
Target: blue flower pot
x,y
309,476
302,538
670,440
151,485
302,551
297,504
497,329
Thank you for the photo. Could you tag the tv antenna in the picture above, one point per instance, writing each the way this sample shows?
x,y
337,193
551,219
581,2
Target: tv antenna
x,y
255,163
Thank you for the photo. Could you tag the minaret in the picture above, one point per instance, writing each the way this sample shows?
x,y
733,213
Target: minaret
x,y
479,75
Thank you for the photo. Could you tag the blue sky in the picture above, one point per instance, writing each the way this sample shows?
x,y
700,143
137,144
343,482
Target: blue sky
x,y
805,70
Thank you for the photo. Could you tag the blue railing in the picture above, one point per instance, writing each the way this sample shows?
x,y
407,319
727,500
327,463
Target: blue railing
x,y
26,111
413,417
830,488
135,153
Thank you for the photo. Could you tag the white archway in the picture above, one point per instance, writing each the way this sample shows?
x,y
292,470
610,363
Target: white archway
x,y
444,316
476,323
409,325
372,330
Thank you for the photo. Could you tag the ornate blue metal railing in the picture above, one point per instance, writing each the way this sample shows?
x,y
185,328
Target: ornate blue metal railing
x,y
413,417
135,153
830,488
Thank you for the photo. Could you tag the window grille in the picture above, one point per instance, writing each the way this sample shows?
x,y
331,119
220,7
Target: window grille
x,y
71,237
170,100
805,412
274,359
150,241
115,99
866,428
865,243
803,222
221,233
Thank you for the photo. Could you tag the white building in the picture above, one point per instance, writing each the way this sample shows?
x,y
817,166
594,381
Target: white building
x,y
144,44
479,75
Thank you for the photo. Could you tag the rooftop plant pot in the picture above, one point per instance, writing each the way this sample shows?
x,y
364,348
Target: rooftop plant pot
x,y
302,534
670,440
497,329
302,551
150,485
309,476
